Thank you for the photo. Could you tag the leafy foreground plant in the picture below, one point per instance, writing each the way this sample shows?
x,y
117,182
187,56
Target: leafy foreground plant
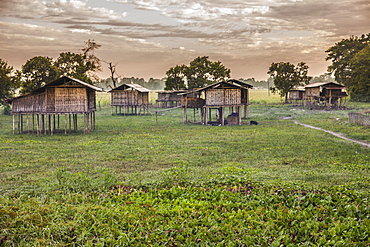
x,y
226,210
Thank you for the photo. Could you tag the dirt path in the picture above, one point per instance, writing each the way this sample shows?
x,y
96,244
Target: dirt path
x,y
362,143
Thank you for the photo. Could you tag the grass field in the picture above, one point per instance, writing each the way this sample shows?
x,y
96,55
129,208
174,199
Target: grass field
x,y
138,182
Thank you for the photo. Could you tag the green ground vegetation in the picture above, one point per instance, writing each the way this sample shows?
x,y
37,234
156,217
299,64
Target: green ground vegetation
x,y
138,181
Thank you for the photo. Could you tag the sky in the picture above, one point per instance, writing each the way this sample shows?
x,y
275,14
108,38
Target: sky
x,y
145,38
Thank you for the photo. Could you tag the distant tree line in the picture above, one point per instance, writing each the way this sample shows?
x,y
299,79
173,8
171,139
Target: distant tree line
x,y
152,84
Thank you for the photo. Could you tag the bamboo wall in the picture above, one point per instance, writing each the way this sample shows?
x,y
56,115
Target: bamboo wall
x,y
223,97
293,95
71,100
129,98
312,92
58,100
29,104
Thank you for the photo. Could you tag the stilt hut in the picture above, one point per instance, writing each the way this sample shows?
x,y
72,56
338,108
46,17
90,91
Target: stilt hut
x,y
214,101
328,95
169,98
129,99
41,110
296,96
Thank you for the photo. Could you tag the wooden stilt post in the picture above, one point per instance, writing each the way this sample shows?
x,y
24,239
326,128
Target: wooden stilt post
x,y
28,123
239,115
38,124
20,128
13,124
33,123
222,113
94,121
43,123
51,124
206,115
70,122
91,121
185,114
75,122
65,124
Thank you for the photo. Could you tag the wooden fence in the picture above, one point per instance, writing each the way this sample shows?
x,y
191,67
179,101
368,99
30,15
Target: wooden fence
x,y
359,118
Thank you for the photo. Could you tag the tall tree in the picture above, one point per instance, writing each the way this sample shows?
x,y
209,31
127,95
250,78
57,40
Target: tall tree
x,y
360,75
9,81
176,78
75,65
200,73
341,54
37,72
287,76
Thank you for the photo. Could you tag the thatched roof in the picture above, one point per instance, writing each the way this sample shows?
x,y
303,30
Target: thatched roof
x,y
333,85
63,80
229,83
131,87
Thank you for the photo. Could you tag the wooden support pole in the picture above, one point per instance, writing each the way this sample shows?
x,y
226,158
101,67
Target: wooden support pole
x,y
246,111
28,123
54,122
65,124
13,124
33,123
75,122
185,115
94,114
20,124
51,124
70,121
43,123
206,115
239,115
38,124
222,113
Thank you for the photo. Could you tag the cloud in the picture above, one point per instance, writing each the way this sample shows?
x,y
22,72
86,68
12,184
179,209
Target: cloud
x,y
238,32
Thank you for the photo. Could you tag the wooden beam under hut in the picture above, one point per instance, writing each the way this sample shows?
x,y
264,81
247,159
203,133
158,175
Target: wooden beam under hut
x,y
50,123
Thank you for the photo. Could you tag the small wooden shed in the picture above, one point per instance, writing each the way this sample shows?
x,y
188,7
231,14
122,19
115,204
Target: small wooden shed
x,y
297,95
43,107
217,98
169,98
129,99
325,95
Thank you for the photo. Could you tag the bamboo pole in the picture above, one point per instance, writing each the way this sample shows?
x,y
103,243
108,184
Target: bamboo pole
x,y
239,116
51,124
37,124
13,124
65,124
222,113
28,124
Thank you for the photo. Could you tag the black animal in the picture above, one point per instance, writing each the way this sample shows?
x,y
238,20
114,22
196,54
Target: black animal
x,y
253,122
